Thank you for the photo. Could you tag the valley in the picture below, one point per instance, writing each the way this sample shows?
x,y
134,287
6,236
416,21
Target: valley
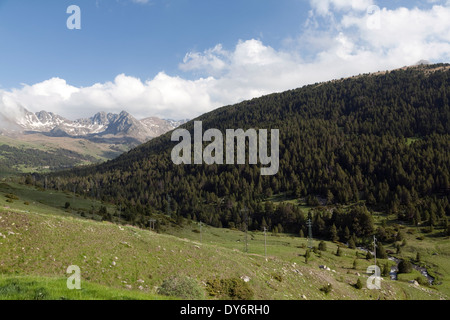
x,y
359,157
40,238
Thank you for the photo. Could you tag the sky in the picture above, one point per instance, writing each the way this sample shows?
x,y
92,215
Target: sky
x,y
178,59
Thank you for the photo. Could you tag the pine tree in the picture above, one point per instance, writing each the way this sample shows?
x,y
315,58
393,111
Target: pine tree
x,y
302,234
386,270
351,244
322,246
347,235
333,234
358,284
381,252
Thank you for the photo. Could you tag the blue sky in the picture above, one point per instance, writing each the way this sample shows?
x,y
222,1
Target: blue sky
x,y
126,37
181,58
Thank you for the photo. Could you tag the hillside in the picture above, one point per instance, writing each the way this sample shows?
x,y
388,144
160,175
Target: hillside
x,y
39,240
382,139
39,153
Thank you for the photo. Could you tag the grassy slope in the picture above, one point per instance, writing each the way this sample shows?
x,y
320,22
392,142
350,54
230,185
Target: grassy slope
x,y
52,288
100,151
41,240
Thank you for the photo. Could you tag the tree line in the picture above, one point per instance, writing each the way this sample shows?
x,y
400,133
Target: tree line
x,y
380,140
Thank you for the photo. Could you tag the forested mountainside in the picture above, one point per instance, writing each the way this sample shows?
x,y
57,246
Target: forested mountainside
x,y
376,142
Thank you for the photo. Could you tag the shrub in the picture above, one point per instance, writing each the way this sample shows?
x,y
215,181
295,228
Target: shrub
x,y
386,270
182,287
404,266
277,277
233,288
12,196
418,257
358,284
351,243
422,281
381,252
327,289
322,246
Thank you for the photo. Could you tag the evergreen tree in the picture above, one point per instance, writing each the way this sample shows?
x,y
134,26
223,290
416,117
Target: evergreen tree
x,y
358,284
322,246
333,234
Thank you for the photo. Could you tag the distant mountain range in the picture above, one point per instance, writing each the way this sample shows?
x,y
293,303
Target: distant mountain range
x,y
101,126
45,141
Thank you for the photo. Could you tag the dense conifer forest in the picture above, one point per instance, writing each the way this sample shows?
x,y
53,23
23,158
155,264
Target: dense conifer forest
x,y
377,142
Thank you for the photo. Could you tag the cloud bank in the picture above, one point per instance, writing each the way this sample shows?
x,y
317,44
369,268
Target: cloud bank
x,y
340,38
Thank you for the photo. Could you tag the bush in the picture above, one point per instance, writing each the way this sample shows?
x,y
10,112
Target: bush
x,y
404,266
12,196
351,244
327,289
422,281
233,288
381,252
358,284
277,277
182,287
322,246
386,270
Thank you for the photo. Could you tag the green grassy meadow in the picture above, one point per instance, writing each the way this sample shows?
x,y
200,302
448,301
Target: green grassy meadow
x,y
39,239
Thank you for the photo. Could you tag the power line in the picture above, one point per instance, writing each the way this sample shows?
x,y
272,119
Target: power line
x,y
375,249
310,237
265,243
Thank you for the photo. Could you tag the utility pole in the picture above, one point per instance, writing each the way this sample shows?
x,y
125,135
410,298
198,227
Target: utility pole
x,y
152,224
245,210
265,243
309,224
375,249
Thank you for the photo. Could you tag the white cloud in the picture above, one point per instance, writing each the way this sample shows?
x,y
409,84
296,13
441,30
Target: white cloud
x,y
163,96
326,7
345,46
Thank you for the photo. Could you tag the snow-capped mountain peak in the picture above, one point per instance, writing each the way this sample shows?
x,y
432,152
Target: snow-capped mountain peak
x,y
102,124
